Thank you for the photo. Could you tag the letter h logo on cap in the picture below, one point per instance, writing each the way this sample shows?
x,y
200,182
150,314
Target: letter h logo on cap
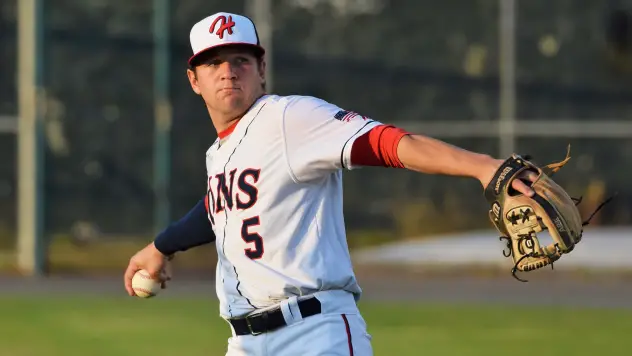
x,y
223,27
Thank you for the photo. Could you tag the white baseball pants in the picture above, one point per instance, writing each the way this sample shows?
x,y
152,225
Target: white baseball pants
x,y
329,333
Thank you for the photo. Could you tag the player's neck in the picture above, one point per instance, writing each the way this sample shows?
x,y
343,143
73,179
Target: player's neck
x,y
225,124
221,123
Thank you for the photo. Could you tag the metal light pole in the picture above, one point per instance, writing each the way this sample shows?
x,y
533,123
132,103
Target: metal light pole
x,y
162,114
31,245
507,100
260,11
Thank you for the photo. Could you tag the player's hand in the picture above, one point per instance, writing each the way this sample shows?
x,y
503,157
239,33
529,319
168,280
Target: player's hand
x,y
518,184
151,260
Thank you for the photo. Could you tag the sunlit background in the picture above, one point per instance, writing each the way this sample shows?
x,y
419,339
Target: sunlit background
x,y
103,142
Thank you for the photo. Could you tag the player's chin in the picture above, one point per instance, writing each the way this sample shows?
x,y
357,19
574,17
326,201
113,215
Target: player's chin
x,y
230,97
232,103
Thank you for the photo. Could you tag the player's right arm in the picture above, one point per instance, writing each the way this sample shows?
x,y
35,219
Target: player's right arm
x,y
193,229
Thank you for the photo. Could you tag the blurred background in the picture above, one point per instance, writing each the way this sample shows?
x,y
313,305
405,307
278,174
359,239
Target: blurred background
x,y
119,139
102,144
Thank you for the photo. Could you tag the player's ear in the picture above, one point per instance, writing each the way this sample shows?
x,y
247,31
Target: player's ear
x,y
193,81
262,70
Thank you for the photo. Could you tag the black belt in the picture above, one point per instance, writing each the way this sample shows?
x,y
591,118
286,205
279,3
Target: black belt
x,y
268,320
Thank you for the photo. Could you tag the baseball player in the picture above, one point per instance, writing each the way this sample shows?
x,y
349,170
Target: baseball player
x,y
273,204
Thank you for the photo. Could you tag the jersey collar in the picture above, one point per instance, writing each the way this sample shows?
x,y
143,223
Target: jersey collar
x,y
226,132
223,134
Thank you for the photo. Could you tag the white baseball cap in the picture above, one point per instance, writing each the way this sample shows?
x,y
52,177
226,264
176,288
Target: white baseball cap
x,y
222,29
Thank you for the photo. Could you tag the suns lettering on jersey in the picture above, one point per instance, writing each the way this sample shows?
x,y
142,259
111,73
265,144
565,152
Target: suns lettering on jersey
x,y
221,195
209,201
224,191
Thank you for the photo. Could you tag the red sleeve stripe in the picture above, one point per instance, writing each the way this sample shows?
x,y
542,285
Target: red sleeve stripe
x,y
378,147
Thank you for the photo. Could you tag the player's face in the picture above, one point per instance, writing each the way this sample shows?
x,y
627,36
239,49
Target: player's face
x,y
229,80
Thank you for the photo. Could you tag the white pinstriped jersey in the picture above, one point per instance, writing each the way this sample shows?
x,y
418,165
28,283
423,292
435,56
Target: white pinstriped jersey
x,y
275,202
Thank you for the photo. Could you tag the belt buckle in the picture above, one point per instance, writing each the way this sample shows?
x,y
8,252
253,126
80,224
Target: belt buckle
x,y
252,332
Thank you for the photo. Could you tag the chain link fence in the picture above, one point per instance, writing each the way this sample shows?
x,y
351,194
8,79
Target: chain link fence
x,y
405,61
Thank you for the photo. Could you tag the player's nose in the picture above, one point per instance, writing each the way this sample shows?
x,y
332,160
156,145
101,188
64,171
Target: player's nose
x,y
228,70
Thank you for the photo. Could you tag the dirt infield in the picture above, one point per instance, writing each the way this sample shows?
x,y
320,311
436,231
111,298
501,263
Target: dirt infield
x,y
547,287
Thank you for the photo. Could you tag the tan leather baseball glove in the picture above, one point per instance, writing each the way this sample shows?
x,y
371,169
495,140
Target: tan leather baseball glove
x,y
520,218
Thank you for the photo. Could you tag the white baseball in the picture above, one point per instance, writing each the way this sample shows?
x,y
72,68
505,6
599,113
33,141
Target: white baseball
x,y
144,286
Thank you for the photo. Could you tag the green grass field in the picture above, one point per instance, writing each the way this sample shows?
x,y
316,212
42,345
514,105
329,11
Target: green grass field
x,y
91,326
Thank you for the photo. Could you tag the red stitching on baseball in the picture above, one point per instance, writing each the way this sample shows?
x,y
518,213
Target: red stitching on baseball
x,y
144,276
143,290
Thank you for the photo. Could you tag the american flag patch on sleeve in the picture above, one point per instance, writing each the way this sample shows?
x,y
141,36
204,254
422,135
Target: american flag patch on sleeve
x,y
346,116
340,114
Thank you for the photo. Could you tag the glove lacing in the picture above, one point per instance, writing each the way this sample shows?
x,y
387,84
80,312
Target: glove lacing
x,y
587,221
522,237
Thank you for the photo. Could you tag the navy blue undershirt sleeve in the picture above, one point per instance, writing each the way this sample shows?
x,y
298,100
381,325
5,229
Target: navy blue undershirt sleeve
x,y
193,229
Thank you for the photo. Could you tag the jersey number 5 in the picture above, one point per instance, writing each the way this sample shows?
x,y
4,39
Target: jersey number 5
x,y
252,237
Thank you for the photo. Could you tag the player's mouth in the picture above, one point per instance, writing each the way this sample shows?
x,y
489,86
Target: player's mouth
x,y
231,89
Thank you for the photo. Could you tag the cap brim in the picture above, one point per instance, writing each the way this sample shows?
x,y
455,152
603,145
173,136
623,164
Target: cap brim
x,y
258,50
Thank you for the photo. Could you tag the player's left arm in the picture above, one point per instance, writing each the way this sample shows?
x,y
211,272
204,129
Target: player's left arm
x,y
321,137
390,146
431,156
318,136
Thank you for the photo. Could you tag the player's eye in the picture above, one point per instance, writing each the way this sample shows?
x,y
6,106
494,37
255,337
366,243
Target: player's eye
x,y
241,60
214,62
